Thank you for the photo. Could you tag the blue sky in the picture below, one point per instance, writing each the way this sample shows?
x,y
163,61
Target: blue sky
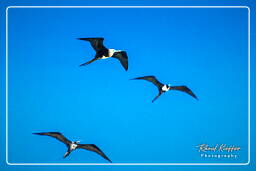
x,y
205,49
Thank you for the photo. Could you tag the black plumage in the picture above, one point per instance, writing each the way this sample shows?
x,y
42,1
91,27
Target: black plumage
x,y
164,87
68,143
96,43
123,58
102,52
56,135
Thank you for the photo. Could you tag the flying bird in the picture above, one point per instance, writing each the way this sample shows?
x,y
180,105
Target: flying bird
x,y
162,88
72,145
102,52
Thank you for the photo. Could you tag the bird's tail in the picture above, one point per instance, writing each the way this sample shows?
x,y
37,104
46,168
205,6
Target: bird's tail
x,y
86,63
67,153
156,97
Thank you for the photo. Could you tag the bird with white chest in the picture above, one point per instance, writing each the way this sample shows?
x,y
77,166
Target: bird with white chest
x,y
162,88
103,53
166,87
73,145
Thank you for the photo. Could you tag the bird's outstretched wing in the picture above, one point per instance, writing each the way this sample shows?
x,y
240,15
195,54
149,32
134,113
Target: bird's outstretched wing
x,y
122,57
96,43
94,148
151,79
86,63
56,135
184,89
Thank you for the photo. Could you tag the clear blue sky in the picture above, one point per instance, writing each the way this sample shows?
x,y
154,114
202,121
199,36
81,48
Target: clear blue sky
x,y
205,49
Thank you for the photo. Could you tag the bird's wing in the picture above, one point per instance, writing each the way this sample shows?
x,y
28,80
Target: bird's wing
x,y
96,43
151,79
56,135
122,57
184,89
94,148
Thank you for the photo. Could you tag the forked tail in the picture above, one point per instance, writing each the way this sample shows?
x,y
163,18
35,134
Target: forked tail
x,y
67,153
159,94
86,63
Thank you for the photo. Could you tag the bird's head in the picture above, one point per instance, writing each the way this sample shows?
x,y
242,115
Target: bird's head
x,y
169,85
76,142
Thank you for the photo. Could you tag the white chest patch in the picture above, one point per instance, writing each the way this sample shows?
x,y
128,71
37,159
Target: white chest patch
x,y
104,57
73,146
165,88
111,52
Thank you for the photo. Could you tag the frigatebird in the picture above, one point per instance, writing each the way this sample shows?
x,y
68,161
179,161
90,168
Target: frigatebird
x,y
72,145
162,88
102,52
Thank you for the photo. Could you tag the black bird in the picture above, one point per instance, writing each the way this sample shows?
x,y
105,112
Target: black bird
x,y
162,88
102,52
72,145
